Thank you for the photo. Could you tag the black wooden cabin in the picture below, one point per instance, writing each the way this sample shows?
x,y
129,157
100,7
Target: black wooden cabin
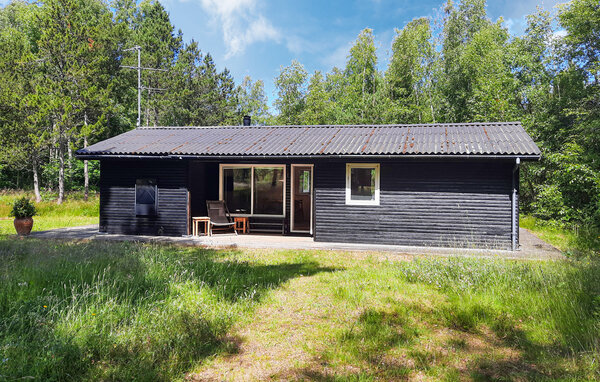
x,y
452,185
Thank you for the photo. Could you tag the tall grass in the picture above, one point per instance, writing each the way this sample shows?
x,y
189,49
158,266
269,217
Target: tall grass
x,y
73,212
121,311
418,316
117,311
554,304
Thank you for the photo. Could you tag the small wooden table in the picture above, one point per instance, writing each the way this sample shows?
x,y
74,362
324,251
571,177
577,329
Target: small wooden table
x,y
241,224
200,219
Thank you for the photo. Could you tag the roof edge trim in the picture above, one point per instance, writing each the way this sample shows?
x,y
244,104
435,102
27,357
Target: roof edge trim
x,y
527,157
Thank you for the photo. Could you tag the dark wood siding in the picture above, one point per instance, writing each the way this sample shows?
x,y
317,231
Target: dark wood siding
x,y
203,185
457,203
452,204
117,197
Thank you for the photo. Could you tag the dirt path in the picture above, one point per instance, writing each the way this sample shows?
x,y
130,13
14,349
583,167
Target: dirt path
x,y
281,338
291,333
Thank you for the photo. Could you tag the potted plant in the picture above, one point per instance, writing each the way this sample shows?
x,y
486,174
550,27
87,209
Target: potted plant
x,y
23,210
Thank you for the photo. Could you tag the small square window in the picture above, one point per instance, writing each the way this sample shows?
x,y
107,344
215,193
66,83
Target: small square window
x,y
145,197
362,183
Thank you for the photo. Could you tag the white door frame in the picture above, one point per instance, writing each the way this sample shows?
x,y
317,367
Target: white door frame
x,y
312,171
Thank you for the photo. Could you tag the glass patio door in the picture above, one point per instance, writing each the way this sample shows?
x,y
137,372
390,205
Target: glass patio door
x,y
302,196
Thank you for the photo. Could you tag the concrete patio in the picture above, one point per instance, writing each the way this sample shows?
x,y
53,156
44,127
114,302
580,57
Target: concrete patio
x,y
531,246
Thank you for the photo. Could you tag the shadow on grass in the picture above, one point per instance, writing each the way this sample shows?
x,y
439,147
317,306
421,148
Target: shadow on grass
x,y
364,346
525,358
369,349
72,311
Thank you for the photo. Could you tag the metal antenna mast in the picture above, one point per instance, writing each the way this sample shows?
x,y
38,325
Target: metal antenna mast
x,y
139,75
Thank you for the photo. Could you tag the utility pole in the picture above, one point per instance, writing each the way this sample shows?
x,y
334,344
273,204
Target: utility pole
x,y
139,76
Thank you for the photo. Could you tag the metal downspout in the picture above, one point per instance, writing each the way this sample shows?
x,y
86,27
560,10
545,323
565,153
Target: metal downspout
x,y
514,226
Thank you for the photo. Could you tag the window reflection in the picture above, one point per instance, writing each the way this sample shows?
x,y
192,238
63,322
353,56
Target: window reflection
x,y
236,184
267,185
268,191
362,182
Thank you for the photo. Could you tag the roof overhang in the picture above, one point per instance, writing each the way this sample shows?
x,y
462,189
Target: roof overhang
x,y
337,156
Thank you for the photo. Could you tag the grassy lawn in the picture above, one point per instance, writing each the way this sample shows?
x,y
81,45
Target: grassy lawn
x,y
122,311
73,212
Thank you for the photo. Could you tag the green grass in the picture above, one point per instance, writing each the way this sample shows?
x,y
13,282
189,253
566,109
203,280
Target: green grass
x,y
73,212
122,311
580,242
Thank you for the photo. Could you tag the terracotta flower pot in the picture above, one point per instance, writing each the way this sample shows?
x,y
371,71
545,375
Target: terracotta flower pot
x,y
23,226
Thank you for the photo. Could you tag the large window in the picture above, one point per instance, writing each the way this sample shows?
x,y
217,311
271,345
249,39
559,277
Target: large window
x,y
268,191
145,197
237,189
362,183
253,189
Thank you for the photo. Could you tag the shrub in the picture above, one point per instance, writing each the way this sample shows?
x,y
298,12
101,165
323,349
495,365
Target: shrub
x,y
22,208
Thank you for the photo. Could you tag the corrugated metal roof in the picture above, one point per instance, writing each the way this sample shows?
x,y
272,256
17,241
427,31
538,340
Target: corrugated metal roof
x,y
502,138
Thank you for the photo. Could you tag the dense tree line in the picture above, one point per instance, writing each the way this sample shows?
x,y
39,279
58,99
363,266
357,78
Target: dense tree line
x,y
468,68
63,87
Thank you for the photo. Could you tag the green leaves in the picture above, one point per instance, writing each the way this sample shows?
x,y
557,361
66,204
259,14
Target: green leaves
x,y
410,77
23,208
253,101
291,90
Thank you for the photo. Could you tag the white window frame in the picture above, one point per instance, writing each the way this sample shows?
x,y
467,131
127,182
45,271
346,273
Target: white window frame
x,y
252,167
349,201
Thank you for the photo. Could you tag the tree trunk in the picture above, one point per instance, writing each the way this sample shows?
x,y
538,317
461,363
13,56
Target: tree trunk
x,y
69,152
86,175
61,170
36,183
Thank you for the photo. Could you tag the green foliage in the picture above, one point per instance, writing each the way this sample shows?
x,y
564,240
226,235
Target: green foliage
x,y
410,75
500,293
253,101
291,90
75,211
318,108
362,79
63,85
476,71
23,208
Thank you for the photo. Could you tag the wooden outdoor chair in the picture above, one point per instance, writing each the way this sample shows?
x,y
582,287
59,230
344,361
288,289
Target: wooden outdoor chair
x,y
219,216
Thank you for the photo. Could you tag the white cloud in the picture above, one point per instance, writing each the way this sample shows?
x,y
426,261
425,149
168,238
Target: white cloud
x,y
338,57
559,33
242,24
516,26
297,44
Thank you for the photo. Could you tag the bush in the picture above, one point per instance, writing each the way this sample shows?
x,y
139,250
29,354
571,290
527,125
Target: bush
x,y
23,208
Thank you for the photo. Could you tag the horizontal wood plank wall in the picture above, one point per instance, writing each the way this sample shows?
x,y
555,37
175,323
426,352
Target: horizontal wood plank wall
x,y
117,197
451,204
